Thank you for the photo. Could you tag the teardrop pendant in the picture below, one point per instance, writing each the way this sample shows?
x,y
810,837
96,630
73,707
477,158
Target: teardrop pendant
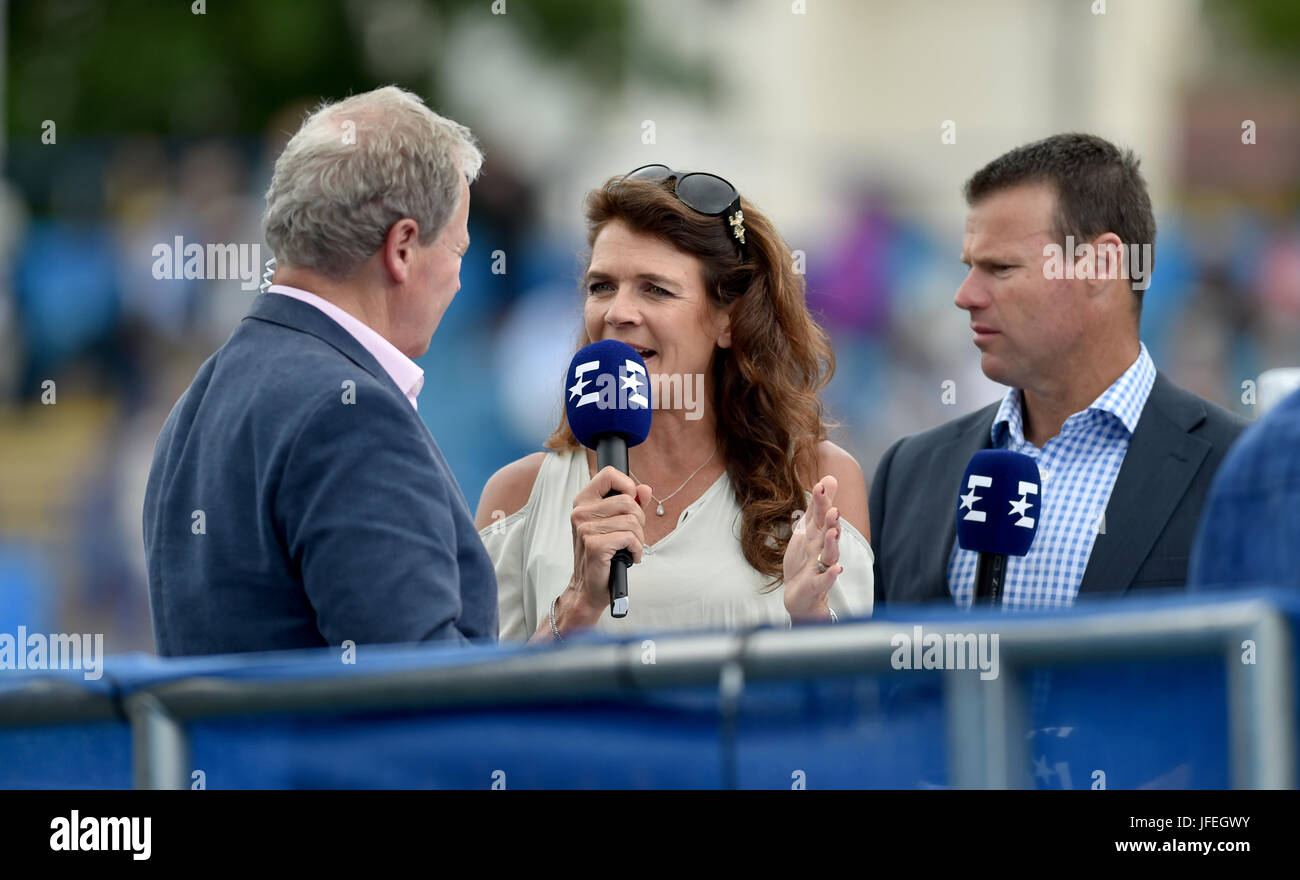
x,y
660,510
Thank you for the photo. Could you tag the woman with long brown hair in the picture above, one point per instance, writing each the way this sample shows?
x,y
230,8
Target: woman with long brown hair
x,y
696,279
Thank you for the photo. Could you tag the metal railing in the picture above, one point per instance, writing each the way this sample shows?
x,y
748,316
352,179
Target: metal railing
x,y
984,720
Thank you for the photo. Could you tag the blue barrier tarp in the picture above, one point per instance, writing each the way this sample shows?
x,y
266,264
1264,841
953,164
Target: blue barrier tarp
x,y
1158,723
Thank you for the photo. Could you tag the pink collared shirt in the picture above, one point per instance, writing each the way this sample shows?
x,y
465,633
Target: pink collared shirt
x,y
404,372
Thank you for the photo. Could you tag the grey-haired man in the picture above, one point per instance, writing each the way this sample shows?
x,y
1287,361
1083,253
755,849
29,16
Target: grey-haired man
x,y
296,498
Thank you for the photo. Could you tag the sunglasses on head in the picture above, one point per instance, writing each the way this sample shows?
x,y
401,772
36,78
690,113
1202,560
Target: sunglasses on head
x,y
704,193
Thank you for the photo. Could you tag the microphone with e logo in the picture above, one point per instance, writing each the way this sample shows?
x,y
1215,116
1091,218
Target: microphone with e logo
x,y
997,515
607,400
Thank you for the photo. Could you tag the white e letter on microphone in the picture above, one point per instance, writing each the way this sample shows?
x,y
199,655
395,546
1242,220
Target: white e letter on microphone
x,y
631,383
576,389
968,500
1021,506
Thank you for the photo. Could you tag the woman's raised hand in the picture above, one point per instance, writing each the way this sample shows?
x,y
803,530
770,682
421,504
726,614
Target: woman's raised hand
x,y
815,536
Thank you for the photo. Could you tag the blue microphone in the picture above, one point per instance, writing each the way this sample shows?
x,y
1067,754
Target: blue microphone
x,y
607,400
997,515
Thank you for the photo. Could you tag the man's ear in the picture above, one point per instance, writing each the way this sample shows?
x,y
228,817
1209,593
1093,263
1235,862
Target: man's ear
x,y
1109,262
399,249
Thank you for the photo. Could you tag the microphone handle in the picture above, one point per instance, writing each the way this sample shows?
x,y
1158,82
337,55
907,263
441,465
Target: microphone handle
x,y
990,576
611,451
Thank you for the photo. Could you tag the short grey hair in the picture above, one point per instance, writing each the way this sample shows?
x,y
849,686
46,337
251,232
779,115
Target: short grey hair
x,y
355,168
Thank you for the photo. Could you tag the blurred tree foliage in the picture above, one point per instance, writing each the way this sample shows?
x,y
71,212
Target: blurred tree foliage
x,y
1272,26
99,67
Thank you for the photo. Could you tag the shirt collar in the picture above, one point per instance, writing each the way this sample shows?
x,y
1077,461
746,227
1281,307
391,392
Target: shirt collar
x,y
405,373
1124,399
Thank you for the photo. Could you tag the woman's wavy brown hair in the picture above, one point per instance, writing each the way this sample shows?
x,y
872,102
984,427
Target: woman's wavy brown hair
x,y
766,385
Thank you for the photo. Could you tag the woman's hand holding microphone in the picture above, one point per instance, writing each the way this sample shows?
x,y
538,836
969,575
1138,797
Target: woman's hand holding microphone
x,y
601,527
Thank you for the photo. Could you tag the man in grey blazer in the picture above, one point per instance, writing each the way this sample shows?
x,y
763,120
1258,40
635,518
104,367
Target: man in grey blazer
x,y
296,498
1060,242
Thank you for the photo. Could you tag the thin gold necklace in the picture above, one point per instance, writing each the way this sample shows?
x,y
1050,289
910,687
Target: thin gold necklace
x,y
660,509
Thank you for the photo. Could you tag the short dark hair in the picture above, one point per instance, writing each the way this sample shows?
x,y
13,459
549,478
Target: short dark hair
x,y
1099,188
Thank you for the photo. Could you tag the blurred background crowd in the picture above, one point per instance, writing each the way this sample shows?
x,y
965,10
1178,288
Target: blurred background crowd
x,y
852,123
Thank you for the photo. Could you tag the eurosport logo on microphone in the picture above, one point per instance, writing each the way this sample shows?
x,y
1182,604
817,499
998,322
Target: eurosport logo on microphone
x,y
1019,506
610,392
626,390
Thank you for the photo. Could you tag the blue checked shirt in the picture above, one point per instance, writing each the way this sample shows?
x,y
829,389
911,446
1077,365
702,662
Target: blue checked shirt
x,y
1078,468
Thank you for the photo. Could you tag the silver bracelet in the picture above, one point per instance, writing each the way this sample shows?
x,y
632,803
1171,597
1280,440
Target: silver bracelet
x,y
834,619
555,629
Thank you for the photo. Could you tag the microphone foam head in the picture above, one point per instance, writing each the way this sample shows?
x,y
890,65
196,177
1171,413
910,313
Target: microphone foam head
x,y
1001,499
607,391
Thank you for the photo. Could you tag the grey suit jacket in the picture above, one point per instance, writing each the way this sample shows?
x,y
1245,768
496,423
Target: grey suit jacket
x,y
1151,517
296,499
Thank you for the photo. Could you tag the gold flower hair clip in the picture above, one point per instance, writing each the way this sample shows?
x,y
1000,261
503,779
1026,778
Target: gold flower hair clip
x,y
737,221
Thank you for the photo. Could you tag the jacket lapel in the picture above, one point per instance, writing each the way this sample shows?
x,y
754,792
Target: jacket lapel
x,y
1161,461
297,315
947,464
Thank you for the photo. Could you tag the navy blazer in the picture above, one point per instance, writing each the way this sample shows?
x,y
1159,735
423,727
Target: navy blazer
x,y
296,499
1150,519
1250,531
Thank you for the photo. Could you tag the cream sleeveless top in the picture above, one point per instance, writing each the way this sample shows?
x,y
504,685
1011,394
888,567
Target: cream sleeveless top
x,y
695,577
